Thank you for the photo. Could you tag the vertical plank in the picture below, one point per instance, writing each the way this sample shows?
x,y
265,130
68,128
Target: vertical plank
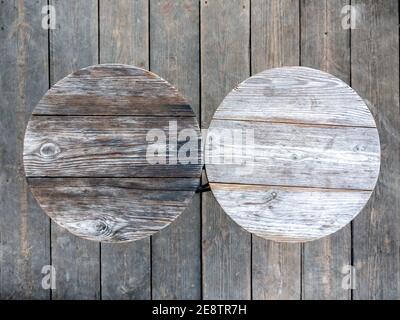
x,y
375,75
124,39
24,228
226,248
325,45
74,45
276,267
174,55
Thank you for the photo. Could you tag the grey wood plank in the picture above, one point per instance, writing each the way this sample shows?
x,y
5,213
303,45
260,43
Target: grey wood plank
x,y
311,99
293,155
325,45
113,209
289,214
176,256
124,34
24,228
125,268
375,75
108,146
275,42
226,250
73,45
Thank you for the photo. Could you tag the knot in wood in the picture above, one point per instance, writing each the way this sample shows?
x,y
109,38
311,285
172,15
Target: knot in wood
x,y
49,150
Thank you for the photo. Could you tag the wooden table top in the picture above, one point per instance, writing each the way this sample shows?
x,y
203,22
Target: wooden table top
x,y
292,154
86,153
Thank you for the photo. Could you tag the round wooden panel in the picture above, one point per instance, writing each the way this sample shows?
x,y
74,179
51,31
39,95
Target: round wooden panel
x,y
292,154
94,153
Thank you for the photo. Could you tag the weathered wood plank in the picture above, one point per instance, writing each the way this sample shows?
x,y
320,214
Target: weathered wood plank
x,y
113,89
24,228
225,62
289,214
325,45
109,146
274,43
311,99
113,209
73,45
124,34
375,75
292,155
176,263
125,268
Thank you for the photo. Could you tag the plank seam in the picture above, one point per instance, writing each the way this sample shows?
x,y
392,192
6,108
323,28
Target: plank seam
x,y
301,124
291,187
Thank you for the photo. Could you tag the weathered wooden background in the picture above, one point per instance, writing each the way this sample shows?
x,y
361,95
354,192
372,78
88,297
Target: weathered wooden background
x,y
204,48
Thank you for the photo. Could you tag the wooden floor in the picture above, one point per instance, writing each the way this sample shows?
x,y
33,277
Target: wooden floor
x,y
204,48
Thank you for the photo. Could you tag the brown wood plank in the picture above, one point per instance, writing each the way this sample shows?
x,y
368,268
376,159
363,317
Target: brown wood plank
x,y
107,146
375,75
176,264
113,209
24,228
225,62
275,43
325,45
125,268
73,45
113,89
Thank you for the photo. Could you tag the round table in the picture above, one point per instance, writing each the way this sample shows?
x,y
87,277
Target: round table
x,y
102,153
292,154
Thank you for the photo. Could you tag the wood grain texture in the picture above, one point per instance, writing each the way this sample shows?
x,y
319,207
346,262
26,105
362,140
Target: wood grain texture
x,y
292,155
74,45
311,99
225,63
326,45
176,255
289,213
276,268
24,228
124,32
107,146
113,209
112,146
375,74
109,89
124,38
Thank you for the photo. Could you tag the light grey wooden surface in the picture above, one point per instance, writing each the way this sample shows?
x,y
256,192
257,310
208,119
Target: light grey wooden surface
x,y
297,178
176,250
326,45
279,36
225,63
275,31
375,74
24,228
